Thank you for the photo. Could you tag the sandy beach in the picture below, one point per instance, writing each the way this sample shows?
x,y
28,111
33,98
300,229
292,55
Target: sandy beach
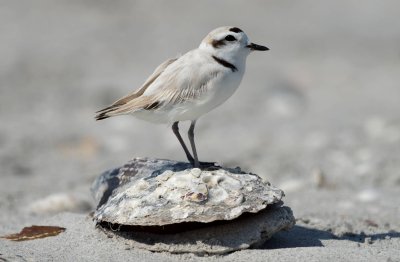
x,y
317,116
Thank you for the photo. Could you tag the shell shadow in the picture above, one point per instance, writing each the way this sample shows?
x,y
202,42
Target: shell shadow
x,y
300,236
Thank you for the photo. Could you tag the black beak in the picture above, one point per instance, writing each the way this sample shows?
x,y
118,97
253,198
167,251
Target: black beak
x,y
255,47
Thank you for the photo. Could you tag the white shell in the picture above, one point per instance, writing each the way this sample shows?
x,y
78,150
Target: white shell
x,y
154,192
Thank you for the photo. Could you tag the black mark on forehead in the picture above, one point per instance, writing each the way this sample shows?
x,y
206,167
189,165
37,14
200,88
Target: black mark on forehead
x,y
218,43
235,29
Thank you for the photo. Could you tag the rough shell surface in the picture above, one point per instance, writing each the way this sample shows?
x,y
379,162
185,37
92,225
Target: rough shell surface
x,y
216,238
154,192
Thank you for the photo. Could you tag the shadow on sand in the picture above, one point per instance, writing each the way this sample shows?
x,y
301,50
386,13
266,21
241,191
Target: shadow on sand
x,y
300,236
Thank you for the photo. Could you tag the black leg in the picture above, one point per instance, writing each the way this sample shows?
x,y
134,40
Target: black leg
x,y
191,139
175,129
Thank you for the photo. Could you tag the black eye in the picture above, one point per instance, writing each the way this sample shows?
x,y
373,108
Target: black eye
x,y
230,38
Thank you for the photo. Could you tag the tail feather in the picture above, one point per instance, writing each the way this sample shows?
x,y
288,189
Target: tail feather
x,y
101,116
113,110
106,112
106,109
146,103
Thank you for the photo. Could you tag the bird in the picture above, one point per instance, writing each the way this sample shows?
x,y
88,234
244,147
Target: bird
x,y
188,86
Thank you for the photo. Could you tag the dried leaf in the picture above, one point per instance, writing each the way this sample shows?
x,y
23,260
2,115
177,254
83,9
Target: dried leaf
x,y
35,232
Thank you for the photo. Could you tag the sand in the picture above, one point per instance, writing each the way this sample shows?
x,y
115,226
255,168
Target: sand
x,y
317,115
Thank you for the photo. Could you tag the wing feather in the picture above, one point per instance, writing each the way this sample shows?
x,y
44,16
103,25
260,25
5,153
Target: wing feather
x,y
171,94
115,108
170,85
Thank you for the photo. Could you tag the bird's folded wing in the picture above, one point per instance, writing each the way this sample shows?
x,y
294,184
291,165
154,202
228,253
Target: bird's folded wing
x,y
165,88
173,92
103,113
157,72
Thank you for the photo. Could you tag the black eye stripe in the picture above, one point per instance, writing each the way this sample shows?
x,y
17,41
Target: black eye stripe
x,y
218,43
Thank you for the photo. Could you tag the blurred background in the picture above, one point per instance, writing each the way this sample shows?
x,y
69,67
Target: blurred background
x,y
317,115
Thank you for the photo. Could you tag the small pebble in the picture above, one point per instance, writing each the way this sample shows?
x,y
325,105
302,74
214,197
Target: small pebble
x,y
368,240
196,172
292,185
367,195
319,178
60,202
371,223
305,220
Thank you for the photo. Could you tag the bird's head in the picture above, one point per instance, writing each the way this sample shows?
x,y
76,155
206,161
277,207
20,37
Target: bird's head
x,y
229,43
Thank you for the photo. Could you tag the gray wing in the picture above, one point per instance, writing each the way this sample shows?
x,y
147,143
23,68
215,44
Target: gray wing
x,y
115,108
168,88
169,93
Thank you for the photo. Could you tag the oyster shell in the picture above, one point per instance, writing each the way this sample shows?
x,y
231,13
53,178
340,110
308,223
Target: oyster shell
x,y
156,192
247,231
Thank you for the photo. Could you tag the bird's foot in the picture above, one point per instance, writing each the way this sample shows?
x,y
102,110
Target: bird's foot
x,y
206,165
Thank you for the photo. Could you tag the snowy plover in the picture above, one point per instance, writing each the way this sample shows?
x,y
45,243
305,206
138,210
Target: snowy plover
x,y
186,87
